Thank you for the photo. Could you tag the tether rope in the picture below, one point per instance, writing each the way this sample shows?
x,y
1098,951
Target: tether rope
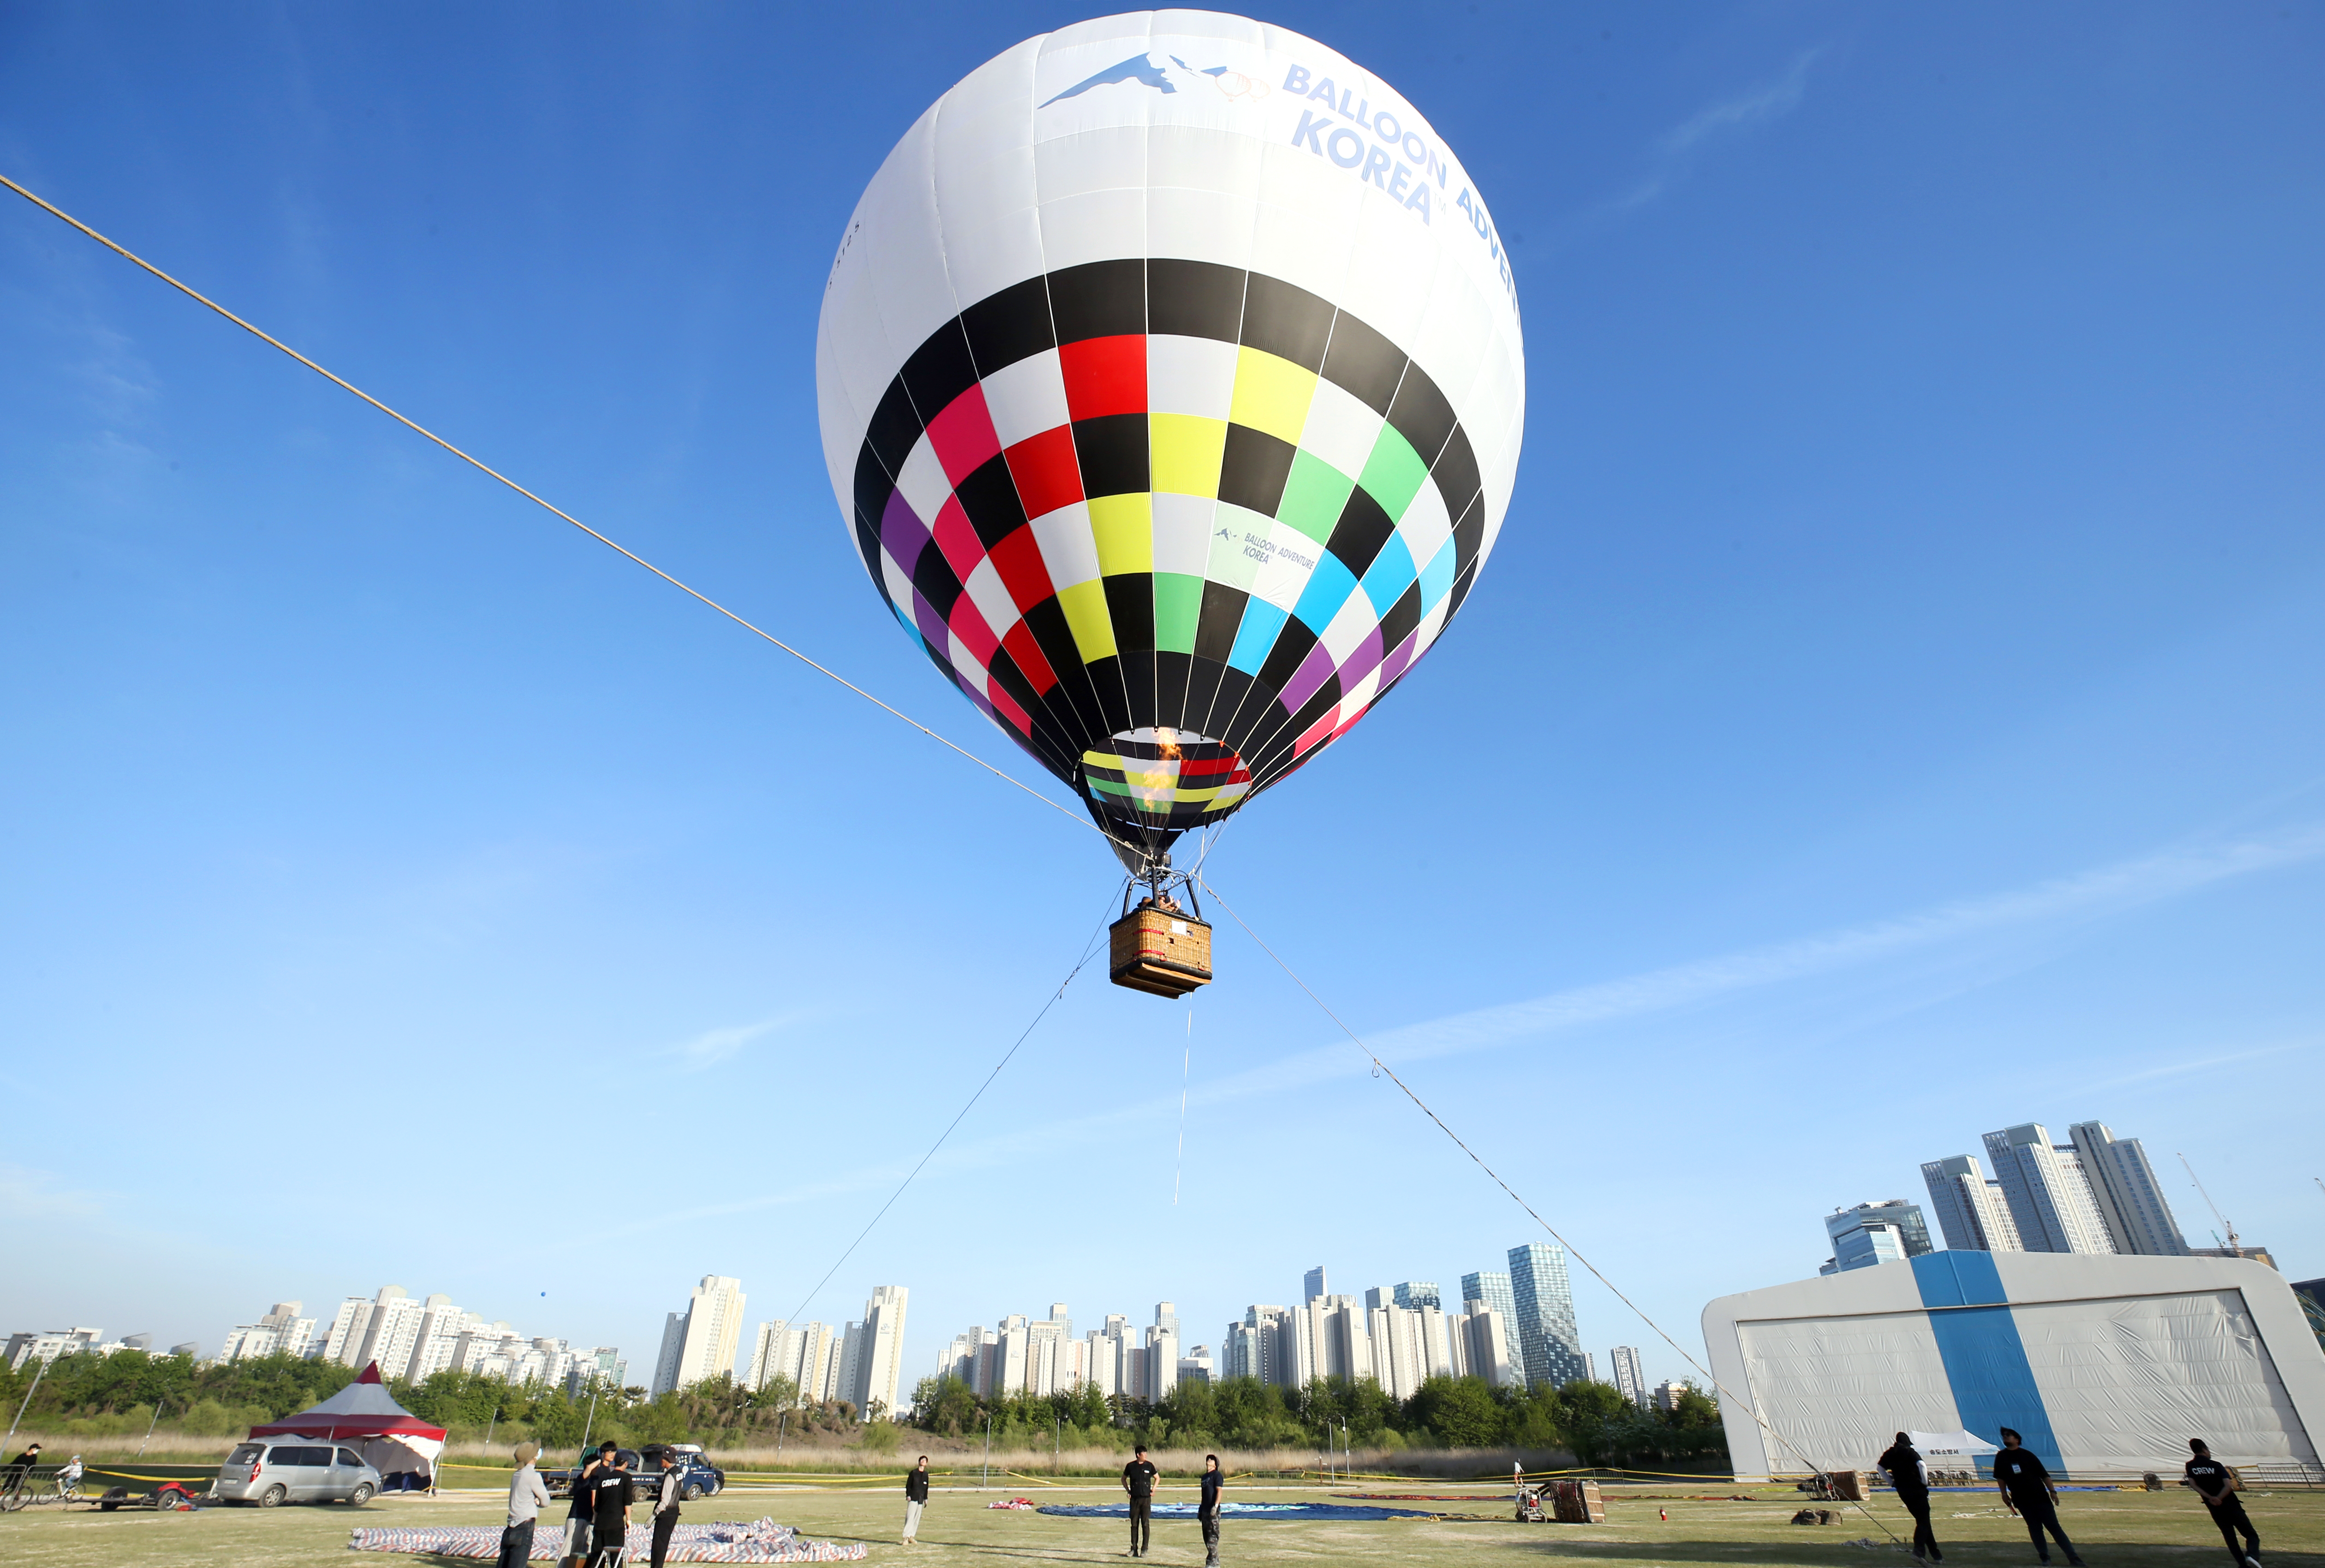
x,y
1090,949
486,468
1383,1068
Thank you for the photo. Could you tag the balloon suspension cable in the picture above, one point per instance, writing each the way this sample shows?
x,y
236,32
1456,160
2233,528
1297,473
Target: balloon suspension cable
x,y
1381,1068
486,469
1090,949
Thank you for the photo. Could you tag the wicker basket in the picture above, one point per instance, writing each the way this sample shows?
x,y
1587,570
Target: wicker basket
x,y
1161,951
1577,1502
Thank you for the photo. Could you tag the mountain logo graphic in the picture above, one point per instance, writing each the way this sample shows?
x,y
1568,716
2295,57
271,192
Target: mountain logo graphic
x,y
1143,70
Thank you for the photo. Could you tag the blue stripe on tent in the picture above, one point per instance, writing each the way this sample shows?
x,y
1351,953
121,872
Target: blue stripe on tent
x,y
1985,1361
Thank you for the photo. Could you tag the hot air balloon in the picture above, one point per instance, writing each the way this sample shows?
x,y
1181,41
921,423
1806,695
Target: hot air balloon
x,y
1171,386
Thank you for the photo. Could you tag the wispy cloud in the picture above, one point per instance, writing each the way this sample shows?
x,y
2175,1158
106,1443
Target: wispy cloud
x,y
1757,105
2030,916
712,1046
2176,1069
2086,896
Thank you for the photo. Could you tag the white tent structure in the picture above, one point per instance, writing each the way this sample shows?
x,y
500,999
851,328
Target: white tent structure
x,y
2106,1365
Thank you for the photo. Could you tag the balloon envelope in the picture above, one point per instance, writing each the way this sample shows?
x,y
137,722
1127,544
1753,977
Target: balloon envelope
x,y
1172,384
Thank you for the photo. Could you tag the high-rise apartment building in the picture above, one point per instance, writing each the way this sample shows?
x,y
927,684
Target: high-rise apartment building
x,y
1481,1348
1973,1215
701,1341
1630,1374
1492,1288
1547,1344
281,1332
1312,1284
1871,1233
344,1338
2130,1199
879,1360
1259,1347
1162,1351
388,1338
1590,1365
600,1365
439,1331
2049,1192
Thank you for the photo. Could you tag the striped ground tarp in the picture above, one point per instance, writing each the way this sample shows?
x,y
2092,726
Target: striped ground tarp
x,y
722,1541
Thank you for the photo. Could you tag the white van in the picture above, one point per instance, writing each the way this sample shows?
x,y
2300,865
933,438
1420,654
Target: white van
x,y
271,1473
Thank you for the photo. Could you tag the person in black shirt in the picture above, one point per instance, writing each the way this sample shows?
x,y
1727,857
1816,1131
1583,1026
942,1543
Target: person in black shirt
x,y
2026,1487
916,1497
576,1515
1138,1481
1207,1510
2217,1485
1903,1463
611,1493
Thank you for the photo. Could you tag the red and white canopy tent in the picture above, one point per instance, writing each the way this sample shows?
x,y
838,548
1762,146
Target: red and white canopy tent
x,y
390,1437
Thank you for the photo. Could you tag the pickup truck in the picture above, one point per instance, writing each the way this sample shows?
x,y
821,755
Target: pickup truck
x,y
698,1477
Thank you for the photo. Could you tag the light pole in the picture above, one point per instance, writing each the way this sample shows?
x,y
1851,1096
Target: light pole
x,y
986,1481
158,1403
28,1397
591,1424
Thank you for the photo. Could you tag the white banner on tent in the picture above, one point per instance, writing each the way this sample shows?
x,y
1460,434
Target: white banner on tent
x,y
1939,1446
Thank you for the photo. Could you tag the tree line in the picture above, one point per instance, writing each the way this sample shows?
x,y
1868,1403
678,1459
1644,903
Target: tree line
x,y
125,1393
1592,1421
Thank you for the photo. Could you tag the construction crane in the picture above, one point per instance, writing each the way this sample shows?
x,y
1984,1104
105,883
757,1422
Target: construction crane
x,y
2234,1248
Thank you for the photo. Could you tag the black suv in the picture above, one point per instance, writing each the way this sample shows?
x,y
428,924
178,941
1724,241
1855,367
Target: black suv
x,y
699,1478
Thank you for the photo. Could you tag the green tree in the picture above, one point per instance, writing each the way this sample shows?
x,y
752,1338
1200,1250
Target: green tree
x,y
1460,1412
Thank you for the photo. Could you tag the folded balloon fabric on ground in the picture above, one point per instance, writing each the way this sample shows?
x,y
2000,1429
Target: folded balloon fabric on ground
x,y
725,1541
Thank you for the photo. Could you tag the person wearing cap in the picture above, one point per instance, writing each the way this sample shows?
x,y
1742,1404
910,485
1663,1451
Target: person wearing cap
x,y
2217,1485
2026,1487
526,1499
1903,1463
1138,1481
916,1497
577,1516
666,1501
611,1493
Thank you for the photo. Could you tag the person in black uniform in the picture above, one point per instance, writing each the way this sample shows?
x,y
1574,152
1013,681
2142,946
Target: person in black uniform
x,y
1138,1481
576,1515
1207,1510
1903,1463
611,1493
2026,1487
2217,1485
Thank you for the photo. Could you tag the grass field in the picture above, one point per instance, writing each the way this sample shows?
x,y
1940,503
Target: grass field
x,y
2114,1530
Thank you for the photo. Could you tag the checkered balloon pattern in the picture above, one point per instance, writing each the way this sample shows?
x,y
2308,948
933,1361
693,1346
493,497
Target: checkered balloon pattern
x,y
1162,494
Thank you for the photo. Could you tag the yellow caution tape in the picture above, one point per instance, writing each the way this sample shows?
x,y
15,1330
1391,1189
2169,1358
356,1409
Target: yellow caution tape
x,y
129,1475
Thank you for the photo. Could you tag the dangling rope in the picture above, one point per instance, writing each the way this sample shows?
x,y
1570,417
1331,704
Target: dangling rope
x,y
486,468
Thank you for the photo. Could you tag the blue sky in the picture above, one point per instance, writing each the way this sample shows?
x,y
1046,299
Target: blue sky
x,y
1890,712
